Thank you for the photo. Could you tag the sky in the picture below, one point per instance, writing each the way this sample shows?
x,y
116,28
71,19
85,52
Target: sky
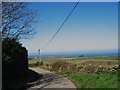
x,y
92,26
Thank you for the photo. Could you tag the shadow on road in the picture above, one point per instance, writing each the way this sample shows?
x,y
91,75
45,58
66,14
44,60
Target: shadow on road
x,y
44,80
37,80
32,76
21,81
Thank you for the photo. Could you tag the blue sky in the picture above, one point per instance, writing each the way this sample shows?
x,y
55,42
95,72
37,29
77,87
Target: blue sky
x,y
92,26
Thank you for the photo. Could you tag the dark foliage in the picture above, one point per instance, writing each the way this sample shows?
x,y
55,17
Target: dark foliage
x,y
14,61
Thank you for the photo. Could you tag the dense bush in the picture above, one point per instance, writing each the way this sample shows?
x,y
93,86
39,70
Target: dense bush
x,y
14,59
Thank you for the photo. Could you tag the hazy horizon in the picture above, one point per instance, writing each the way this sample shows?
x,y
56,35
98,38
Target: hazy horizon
x,y
79,53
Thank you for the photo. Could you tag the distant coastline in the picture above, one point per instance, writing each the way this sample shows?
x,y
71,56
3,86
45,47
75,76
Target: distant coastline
x,y
77,53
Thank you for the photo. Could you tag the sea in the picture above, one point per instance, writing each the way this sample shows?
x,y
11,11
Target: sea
x,y
78,53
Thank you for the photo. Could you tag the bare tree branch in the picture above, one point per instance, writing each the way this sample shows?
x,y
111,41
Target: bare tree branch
x,y
17,20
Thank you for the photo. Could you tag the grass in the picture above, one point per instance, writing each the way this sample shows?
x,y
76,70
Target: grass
x,y
89,80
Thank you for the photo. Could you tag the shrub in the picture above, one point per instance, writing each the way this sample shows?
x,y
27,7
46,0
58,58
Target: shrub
x,y
59,65
38,63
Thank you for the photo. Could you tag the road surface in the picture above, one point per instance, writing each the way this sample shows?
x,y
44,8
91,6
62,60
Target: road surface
x,y
50,80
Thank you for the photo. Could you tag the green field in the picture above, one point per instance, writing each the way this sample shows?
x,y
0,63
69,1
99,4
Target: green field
x,y
102,79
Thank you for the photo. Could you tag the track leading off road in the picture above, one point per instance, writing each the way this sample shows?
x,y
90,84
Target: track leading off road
x,y
50,80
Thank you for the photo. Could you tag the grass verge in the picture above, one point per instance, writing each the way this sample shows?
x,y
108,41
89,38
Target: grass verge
x,y
90,80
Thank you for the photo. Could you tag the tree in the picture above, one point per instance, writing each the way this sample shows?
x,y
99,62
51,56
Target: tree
x,y
17,20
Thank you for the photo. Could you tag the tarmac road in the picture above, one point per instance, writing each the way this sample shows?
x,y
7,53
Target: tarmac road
x,y
50,80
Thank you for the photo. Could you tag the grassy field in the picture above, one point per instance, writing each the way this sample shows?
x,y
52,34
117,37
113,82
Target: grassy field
x,y
103,79
96,60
